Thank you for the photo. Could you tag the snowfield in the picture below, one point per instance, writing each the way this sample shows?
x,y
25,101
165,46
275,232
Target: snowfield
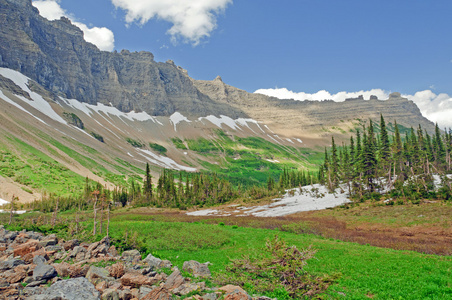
x,y
312,197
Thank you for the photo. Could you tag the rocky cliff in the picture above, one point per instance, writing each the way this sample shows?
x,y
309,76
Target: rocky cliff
x,y
55,54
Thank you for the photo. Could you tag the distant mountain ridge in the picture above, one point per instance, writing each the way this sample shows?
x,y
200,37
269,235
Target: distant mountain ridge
x,y
55,55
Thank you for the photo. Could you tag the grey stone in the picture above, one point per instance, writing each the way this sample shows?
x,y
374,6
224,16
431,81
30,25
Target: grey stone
x,y
71,289
125,294
11,236
50,240
44,272
210,296
10,264
144,290
110,294
36,283
39,259
96,274
56,248
131,255
196,268
156,263
77,250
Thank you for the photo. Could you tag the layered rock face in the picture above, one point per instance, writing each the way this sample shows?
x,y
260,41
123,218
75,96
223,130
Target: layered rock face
x,y
55,55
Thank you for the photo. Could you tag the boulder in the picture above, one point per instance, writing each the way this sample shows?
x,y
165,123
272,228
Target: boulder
x,y
70,289
50,240
69,245
96,274
175,280
110,294
196,268
188,288
10,264
39,259
63,269
131,256
44,272
137,280
233,292
157,263
28,247
125,294
159,293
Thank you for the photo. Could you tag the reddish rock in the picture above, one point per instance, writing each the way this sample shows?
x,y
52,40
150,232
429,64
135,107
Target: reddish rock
x,y
101,286
28,247
234,292
175,280
159,293
137,280
63,269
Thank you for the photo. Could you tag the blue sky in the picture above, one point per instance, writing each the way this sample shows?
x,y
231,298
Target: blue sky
x,y
303,45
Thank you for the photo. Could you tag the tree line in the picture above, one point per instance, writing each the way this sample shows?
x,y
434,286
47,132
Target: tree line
x,y
175,189
402,167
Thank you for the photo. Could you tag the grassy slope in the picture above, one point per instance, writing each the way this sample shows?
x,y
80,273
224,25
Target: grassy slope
x,y
246,160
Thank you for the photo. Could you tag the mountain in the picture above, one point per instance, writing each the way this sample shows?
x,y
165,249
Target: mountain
x,y
70,111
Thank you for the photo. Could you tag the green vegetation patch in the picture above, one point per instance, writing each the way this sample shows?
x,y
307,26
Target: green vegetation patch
x,y
158,148
135,143
178,143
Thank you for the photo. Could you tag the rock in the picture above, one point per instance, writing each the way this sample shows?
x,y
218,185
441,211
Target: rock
x,y
137,280
187,288
131,256
54,248
70,289
96,274
11,236
69,245
157,263
175,280
159,293
144,290
117,270
78,271
50,240
63,269
44,272
196,268
110,294
101,286
233,292
10,264
125,294
112,251
39,259
77,250
28,247
36,283
17,275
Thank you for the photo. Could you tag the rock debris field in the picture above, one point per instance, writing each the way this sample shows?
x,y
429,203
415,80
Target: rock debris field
x,y
38,267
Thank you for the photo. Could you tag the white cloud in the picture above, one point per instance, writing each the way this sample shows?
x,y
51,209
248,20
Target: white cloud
x,y
102,37
435,107
192,20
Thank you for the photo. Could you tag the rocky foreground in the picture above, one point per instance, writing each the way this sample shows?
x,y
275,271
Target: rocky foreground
x,y
34,266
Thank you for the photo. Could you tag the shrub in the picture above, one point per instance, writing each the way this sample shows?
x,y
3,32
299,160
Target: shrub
x,y
98,137
135,143
158,148
280,268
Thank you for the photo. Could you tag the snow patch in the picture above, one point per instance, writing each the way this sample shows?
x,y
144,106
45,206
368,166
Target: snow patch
x,y
290,141
99,108
300,141
204,212
2,96
176,118
17,212
164,161
37,102
3,202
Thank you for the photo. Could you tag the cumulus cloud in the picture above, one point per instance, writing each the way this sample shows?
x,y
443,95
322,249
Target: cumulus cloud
x,y
192,20
102,37
435,107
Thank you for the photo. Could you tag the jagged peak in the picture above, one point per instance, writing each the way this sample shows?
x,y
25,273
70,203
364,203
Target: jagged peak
x,y
218,78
